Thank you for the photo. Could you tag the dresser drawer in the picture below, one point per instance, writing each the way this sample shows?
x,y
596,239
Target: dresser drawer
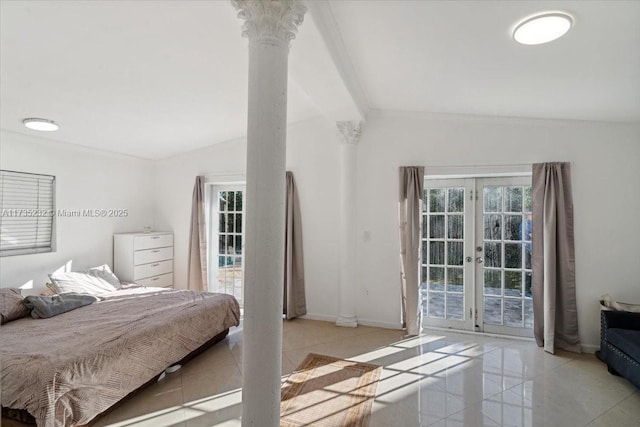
x,y
152,255
154,269
152,241
164,281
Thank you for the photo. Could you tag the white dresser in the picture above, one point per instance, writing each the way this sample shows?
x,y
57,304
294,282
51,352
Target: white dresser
x,y
144,258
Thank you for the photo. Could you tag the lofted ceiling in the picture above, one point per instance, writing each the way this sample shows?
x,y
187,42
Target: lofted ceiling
x,y
157,78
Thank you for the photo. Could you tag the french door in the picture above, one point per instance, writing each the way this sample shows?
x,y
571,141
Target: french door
x,y
226,250
476,255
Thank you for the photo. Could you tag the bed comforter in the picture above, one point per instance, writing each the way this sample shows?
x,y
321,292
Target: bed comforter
x,y
67,369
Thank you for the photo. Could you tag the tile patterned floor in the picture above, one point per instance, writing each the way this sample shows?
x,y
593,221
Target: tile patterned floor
x,y
438,379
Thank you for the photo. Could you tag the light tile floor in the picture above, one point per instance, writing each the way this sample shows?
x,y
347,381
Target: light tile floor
x,y
438,379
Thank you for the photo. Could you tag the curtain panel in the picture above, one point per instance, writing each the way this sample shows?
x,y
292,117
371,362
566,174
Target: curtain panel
x,y
410,218
197,261
555,314
294,303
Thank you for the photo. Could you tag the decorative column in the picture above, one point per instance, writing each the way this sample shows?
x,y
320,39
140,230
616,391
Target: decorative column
x,y
349,133
270,25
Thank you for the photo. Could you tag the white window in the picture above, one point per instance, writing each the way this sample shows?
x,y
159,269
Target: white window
x,y
26,213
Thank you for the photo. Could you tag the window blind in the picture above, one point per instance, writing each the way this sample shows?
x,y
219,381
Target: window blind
x,y
26,213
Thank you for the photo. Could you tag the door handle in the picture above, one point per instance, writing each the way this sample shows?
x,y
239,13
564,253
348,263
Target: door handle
x,y
468,259
479,260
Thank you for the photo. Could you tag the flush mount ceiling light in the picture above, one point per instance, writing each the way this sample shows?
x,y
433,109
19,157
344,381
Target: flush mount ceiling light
x,y
43,125
542,28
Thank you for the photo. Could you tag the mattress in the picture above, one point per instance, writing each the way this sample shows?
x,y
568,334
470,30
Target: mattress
x,y
67,369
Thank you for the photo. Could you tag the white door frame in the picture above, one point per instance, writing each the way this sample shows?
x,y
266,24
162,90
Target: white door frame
x,y
474,258
212,191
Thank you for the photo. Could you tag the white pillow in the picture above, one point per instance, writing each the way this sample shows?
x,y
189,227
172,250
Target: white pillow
x,y
82,283
104,272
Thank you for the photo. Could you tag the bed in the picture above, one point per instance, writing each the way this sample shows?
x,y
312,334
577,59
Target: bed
x,y
67,369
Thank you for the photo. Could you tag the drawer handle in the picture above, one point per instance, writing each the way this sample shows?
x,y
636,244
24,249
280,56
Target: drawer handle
x,y
155,237
154,265
156,251
155,278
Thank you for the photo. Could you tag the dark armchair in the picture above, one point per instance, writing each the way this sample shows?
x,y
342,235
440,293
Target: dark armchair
x,y
620,344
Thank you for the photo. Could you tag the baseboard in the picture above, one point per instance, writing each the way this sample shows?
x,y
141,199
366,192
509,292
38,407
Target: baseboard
x,y
378,324
363,322
589,348
320,317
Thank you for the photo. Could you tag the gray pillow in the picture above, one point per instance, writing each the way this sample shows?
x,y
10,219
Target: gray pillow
x,y
11,305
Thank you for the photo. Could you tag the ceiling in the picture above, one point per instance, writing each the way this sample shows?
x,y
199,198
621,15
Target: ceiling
x,y
157,78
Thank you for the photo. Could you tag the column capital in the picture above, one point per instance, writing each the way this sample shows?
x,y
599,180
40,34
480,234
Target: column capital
x,y
270,19
349,132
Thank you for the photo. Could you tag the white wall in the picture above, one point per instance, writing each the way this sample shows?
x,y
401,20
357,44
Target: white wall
x,y
606,176
312,150
85,179
174,179
604,158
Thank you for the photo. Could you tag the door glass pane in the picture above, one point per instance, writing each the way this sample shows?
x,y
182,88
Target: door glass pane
x,y
455,253
512,283
513,199
456,200
528,313
455,306
492,282
513,312
436,253
436,226
222,198
493,199
238,221
436,278
436,200
512,255
513,227
455,227
239,201
492,254
455,278
527,199
436,305
222,223
493,310
231,201
493,227
238,245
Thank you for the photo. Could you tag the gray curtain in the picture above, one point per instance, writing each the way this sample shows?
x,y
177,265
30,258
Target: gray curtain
x,y
555,315
410,216
294,304
197,262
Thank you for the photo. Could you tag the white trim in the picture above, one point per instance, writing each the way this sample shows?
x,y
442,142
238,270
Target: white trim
x,y
476,171
230,178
